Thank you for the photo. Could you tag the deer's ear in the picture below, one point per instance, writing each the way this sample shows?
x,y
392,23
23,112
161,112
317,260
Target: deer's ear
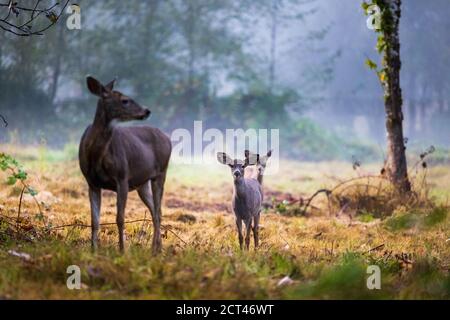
x,y
95,87
263,159
223,158
110,85
251,158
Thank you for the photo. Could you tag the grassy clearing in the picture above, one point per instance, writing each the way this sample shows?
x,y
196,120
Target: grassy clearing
x,y
324,256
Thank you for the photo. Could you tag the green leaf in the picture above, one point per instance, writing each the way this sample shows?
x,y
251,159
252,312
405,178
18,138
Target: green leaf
x,y
382,76
11,180
365,6
381,44
372,65
21,175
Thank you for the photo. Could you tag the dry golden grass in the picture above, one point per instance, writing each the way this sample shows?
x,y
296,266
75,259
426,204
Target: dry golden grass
x,y
325,256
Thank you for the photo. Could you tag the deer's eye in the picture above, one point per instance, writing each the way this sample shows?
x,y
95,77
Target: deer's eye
x,y
125,102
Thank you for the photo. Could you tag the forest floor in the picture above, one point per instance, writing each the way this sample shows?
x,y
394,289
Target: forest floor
x,y
320,255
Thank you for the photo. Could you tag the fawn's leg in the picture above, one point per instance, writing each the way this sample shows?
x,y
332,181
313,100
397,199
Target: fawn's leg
x,y
239,229
95,199
158,190
248,232
122,195
256,229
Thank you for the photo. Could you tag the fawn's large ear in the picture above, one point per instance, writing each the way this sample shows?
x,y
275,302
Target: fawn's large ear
x,y
110,85
251,158
95,87
223,158
263,160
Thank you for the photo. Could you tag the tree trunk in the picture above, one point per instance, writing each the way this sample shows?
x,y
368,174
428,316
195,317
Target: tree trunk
x,y
273,43
147,50
396,159
59,49
188,103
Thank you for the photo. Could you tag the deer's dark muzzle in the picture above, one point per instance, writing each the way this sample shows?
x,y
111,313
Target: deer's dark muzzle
x,y
146,114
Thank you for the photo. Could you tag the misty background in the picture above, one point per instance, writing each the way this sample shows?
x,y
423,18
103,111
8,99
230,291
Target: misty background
x,y
295,65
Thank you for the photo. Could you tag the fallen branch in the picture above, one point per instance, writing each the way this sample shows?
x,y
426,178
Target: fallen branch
x,y
376,248
326,191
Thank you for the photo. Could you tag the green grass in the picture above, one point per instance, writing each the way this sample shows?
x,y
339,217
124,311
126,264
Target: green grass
x,y
326,257
417,218
402,221
366,217
436,216
344,280
194,274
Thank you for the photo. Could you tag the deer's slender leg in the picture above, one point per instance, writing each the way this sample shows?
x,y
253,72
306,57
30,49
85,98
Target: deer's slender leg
x,y
248,231
146,196
122,195
256,229
95,199
239,229
157,190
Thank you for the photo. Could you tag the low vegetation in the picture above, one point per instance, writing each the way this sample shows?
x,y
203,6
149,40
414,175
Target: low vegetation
x,y
321,252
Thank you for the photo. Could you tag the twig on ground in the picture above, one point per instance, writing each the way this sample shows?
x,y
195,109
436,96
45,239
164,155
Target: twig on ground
x,y
376,248
81,225
20,207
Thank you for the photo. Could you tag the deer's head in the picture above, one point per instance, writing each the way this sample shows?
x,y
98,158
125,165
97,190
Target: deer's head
x,y
116,106
237,166
256,158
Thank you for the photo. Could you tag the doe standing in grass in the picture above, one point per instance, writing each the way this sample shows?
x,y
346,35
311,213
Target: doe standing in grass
x,y
247,199
123,159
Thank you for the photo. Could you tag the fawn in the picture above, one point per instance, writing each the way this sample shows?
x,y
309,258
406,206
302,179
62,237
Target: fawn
x,y
247,198
123,159
260,161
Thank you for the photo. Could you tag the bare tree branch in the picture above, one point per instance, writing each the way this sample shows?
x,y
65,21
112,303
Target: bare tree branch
x,y
4,120
25,29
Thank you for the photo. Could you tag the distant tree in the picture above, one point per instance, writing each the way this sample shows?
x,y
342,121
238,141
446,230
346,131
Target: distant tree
x,y
426,92
185,59
389,74
25,21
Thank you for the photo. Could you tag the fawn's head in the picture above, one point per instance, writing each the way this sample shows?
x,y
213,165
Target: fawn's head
x,y
256,158
237,166
116,105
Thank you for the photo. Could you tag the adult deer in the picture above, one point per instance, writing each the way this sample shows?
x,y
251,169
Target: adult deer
x,y
123,159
